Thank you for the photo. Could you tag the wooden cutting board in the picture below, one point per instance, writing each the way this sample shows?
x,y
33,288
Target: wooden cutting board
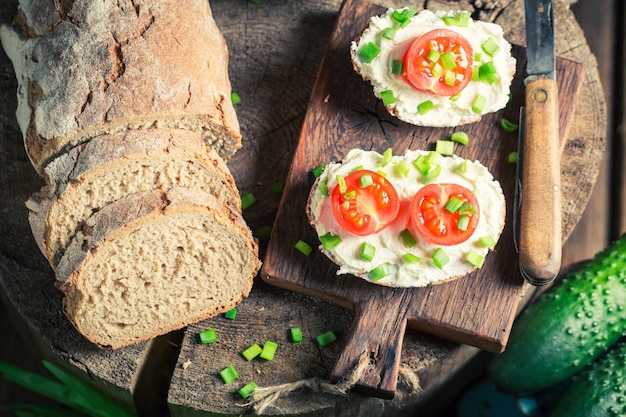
x,y
344,114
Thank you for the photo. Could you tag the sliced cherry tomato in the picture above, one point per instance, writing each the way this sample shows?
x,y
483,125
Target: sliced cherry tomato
x,y
431,219
439,62
365,206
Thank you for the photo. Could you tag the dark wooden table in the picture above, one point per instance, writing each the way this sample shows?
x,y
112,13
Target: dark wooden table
x,y
276,48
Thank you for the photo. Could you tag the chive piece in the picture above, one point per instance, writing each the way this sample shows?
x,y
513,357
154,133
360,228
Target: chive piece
x,y
231,314
365,180
448,59
411,258
479,103
487,241
490,46
357,168
387,97
463,18
277,187
255,1
247,200
432,158
467,209
508,126
462,167
403,17
433,56
247,389
234,97
449,78
486,70
387,155
367,251
263,233
425,106
349,195
304,247
269,350
369,51
397,67
323,187
252,352
296,334
475,259
402,168
440,258
326,338
389,33
512,158
330,241
407,238
207,336
449,20
381,173
341,182
317,171
421,164
460,137
229,374
433,172
444,147
475,73
477,56
453,204
380,272
455,97
436,70
463,223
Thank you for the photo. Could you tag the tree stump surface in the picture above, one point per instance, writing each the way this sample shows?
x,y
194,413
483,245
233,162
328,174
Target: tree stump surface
x,y
275,49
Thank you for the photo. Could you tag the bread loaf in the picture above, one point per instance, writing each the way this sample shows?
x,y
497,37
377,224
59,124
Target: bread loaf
x,y
110,167
85,68
154,262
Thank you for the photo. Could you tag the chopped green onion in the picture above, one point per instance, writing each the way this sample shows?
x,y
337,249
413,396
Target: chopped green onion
x,y
317,171
349,195
449,20
249,388
410,258
234,97
448,59
326,338
462,167
468,209
436,70
255,1
387,97
453,204
330,241
229,374
365,180
433,56
369,51
440,258
460,137
357,168
247,200
422,165
487,241
486,70
463,223
341,182
368,251
207,336
432,158
490,46
402,168
381,173
463,18
397,67
475,259
513,157
476,73
433,172
444,147
263,233
269,350
407,238
479,103
277,187
477,56
425,106
455,97
304,247
323,187
380,272
389,33
387,156
231,314
508,126
403,17
252,352
296,334
449,78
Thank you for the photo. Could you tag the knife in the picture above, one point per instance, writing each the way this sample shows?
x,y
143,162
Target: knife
x,y
539,172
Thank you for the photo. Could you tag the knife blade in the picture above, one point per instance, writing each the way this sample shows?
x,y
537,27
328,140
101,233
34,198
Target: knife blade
x,y
539,218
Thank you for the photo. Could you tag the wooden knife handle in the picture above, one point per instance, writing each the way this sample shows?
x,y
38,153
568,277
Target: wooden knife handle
x,y
540,238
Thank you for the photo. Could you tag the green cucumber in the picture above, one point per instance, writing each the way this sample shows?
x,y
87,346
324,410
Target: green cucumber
x,y
598,390
567,327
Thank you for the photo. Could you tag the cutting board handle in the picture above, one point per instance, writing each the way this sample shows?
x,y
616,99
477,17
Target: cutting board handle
x,y
376,337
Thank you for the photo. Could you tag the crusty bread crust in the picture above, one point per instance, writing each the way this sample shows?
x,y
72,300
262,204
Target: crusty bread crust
x,y
103,67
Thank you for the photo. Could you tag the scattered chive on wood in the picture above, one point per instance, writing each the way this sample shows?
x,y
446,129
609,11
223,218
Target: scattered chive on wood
x,y
329,240
269,350
207,336
277,187
460,137
444,147
229,374
326,338
508,126
247,389
231,314
440,258
475,259
304,247
263,233
247,200
234,97
296,334
252,352
512,157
